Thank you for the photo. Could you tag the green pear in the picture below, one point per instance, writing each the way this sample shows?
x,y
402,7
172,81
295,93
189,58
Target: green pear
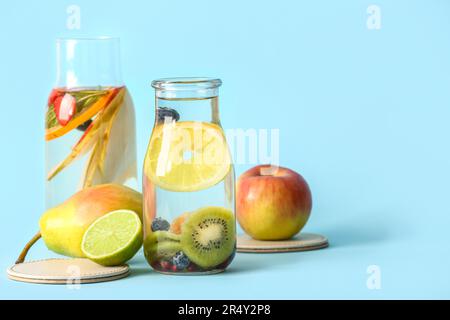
x,y
62,227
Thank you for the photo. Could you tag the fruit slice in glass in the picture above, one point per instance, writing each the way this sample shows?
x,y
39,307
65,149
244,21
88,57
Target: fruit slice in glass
x,y
78,119
97,133
187,156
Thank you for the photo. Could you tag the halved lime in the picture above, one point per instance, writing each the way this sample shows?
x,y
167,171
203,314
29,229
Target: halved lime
x,y
114,238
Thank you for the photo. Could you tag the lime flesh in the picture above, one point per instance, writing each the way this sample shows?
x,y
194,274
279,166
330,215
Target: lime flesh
x,y
114,238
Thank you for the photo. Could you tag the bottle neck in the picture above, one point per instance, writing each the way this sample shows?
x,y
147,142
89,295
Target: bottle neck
x,y
201,109
193,93
187,99
88,63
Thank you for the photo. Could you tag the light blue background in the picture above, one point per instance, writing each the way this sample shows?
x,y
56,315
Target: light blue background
x,y
363,116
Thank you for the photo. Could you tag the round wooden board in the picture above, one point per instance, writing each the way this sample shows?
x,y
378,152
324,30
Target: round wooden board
x,y
301,242
65,271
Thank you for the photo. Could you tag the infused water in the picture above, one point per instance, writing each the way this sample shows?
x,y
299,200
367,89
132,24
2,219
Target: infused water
x,y
188,182
89,139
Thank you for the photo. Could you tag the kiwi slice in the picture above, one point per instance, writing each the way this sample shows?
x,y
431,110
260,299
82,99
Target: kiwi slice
x,y
162,251
162,236
208,237
161,245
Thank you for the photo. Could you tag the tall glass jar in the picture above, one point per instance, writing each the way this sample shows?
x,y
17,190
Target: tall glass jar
x,y
89,120
188,181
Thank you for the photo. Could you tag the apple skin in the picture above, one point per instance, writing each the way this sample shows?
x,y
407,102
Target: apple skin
x,y
272,205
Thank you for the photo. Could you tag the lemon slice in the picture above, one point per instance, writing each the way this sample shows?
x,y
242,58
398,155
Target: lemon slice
x,y
187,156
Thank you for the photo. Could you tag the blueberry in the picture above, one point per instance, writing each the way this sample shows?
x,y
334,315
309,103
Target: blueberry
x,y
85,125
163,112
160,224
181,261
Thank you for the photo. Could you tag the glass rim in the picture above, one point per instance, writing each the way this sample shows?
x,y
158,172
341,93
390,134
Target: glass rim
x,y
186,83
99,38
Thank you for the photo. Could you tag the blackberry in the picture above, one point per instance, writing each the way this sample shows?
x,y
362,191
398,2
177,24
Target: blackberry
x,y
85,125
181,261
163,112
160,224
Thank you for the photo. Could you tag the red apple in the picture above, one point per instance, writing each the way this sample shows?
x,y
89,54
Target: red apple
x,y
273,203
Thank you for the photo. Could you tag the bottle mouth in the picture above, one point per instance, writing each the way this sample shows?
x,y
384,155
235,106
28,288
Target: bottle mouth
x,y
88,62
186,83
87,39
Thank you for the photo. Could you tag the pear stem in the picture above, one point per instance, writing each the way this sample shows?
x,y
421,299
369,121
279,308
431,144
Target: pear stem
x,y
27,247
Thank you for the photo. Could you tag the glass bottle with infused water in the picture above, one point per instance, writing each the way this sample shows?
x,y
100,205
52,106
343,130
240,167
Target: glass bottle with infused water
x,y
90,122
188,181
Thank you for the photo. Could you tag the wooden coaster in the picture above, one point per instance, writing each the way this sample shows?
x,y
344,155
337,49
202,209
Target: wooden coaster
x,y
301,242
65,271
